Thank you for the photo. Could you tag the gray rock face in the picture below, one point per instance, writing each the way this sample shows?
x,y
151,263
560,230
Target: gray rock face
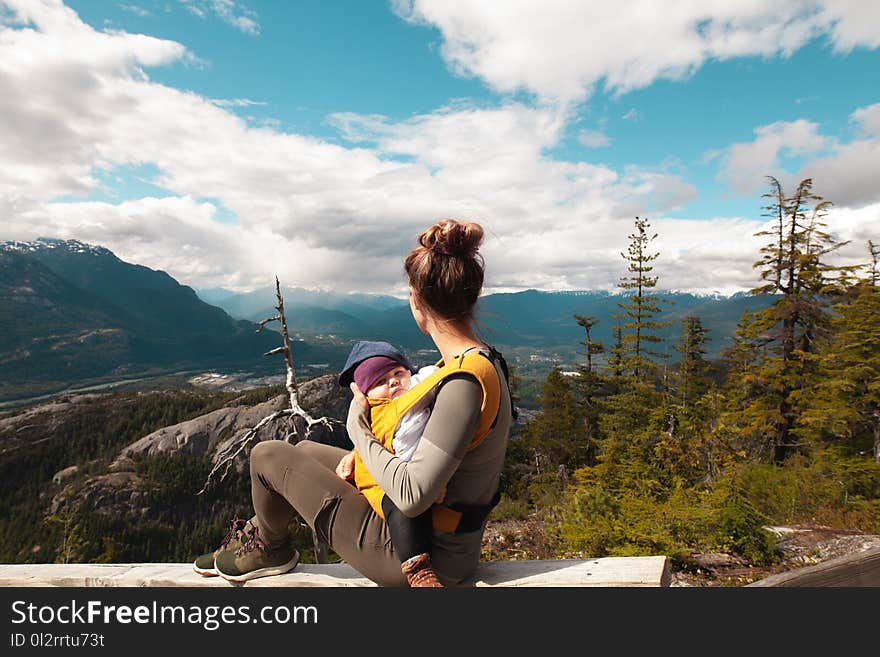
x,y
201,434
47,415
112,494
63,475
123,491
212,432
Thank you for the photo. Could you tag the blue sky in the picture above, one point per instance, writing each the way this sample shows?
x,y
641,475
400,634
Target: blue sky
x,y
228,141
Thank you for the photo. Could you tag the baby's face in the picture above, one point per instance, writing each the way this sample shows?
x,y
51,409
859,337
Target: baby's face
x,y
391,384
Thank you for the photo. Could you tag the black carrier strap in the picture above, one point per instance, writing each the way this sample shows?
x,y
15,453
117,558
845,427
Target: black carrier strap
x,y
495,356
473,516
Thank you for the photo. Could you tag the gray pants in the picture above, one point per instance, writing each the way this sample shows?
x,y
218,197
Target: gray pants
x,y
289,479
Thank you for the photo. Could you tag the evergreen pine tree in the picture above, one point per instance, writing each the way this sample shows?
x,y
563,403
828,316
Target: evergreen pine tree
x,y
775,347
593,348
692,374
640,306
846,400
627,421
874,273
617,352
555,435
589,388
682,449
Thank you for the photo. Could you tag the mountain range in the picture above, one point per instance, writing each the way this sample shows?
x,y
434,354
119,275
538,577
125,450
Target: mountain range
x,y
533,319
72,312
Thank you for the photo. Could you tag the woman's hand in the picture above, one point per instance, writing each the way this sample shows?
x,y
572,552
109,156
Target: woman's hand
x,y
345,469
359,396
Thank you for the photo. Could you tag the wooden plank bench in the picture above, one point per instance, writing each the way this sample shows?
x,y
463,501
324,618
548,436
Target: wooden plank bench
x,y
852,570
649,571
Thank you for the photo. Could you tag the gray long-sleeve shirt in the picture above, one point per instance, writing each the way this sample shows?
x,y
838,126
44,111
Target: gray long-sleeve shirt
x,y
442,458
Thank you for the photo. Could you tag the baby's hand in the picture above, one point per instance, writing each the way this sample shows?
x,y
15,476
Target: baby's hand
x,y
441,496
345,468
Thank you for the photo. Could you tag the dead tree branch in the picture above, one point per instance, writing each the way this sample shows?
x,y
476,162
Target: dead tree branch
x,y
226,458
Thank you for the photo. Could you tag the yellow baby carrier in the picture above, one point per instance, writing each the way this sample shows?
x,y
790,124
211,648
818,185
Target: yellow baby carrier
x,y
385,416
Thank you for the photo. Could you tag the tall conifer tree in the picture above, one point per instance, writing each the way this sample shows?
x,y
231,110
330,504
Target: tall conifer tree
x,y
776,346
874,273
692,374
640,305
846,401
593,348
682,449
555,434
629,410
589,389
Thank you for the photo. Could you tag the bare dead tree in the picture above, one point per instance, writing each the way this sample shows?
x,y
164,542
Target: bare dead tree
x,y
227,457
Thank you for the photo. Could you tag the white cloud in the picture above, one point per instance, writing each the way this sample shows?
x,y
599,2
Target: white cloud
x,y
58,94
867,120
181,235
461,135
594,138
848,175
235,102
77,104
651,191
234,13
842,172
135,9
627,44
746,165
854,23
195,10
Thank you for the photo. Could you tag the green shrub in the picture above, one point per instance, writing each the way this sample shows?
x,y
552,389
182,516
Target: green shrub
x,y
510,509
827,487
740,530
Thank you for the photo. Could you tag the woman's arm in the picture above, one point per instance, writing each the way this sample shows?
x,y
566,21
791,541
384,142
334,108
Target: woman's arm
x,y
413,486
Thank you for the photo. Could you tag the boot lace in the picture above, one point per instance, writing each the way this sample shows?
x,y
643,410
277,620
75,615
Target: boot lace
x,y
253,542
236,526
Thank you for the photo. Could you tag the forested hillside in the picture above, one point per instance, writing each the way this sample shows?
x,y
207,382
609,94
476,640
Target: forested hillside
x,y
69,497
647,456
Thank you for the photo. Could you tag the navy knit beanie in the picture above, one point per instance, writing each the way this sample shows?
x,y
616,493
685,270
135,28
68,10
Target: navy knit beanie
x,y
368,349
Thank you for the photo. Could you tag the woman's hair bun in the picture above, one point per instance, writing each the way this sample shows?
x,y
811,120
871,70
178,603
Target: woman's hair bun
x,y
446,270
450,237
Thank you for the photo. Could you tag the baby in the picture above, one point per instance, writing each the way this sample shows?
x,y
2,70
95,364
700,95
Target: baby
x,y
382,372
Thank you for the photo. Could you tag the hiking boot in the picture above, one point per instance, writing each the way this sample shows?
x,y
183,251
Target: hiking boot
x,y
255,559
239,529
419,571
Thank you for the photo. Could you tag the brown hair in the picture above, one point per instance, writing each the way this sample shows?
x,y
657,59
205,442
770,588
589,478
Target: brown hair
x,y
445,270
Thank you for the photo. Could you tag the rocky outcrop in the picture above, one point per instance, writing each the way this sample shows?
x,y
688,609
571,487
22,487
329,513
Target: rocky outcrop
x,y
39,422
125,489
116,494
63,475
211,433
202,434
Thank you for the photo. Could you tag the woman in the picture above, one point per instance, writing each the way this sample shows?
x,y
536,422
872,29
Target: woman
x,y
462,447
